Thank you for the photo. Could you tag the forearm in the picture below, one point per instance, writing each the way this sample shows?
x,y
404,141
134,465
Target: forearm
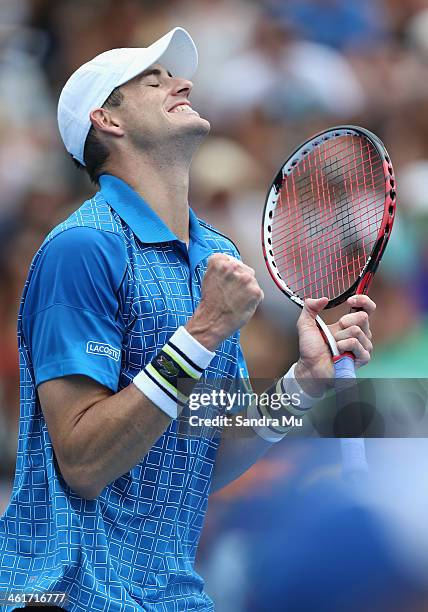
x,y
236,454
109,438
264,423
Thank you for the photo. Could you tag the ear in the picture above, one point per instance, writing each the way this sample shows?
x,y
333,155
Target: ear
x,y
103,120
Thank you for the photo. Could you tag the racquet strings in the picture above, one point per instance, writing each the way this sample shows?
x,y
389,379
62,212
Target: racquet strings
x,y
327,218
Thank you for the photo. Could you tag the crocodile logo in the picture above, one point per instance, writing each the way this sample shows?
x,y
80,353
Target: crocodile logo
x,y
167,367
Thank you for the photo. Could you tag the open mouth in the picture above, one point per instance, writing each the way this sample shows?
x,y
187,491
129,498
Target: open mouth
x,y
183,108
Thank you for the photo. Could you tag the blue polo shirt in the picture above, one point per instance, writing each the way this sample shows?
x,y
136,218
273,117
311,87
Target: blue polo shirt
x,y
106,290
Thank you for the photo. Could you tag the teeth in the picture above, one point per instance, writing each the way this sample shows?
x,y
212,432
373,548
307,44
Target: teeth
x,y
181,108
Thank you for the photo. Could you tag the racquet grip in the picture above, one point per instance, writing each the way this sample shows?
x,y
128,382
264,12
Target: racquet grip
x,y
353,449
344,366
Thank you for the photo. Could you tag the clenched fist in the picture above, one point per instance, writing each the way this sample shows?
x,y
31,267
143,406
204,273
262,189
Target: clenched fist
x,y
230,296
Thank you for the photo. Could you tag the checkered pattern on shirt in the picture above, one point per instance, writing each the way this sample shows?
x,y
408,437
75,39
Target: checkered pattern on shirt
x,y
133,548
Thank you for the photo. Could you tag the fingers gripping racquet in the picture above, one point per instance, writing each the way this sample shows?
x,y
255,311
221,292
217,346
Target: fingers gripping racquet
x,y
327,219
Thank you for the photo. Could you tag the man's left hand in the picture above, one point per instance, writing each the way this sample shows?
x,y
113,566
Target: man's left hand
x,y
351,332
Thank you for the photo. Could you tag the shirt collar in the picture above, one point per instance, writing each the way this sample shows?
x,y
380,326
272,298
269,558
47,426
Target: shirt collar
x,y
142,219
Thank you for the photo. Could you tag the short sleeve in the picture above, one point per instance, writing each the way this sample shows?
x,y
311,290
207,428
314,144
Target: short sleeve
x,y
71,317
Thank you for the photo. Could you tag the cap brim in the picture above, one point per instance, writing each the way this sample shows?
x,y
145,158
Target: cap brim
x,y
176,51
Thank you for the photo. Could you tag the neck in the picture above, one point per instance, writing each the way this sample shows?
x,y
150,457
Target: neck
x,y
163,184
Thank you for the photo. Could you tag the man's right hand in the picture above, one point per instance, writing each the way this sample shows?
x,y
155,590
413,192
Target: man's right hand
x,y
230,296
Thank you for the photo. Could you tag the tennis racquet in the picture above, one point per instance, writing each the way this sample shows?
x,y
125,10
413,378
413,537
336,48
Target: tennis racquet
x,y
326,222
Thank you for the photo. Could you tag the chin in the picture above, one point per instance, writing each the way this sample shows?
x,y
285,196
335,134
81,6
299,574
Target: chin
x,y
202,124
205,122
198,128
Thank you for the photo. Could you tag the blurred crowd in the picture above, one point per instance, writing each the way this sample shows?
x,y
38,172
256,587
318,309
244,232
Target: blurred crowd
x,y
271,74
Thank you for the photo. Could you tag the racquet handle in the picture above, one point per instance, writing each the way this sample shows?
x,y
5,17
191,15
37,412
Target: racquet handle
x,y
353,449
344,366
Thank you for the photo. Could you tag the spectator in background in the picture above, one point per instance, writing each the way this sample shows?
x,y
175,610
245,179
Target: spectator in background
x,y
336,23
286,76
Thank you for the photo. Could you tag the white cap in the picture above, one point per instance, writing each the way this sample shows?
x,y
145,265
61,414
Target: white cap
x,y
91,84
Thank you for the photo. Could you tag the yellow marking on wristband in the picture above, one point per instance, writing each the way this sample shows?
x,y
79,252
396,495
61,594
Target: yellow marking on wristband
x,y
163,382
166,349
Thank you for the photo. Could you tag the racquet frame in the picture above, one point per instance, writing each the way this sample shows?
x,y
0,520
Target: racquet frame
x,y
365,276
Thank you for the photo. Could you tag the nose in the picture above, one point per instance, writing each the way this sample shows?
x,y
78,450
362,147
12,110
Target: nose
x,y
181,87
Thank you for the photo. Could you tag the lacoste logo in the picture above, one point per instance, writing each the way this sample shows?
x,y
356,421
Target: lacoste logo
x,y
167,367
100,348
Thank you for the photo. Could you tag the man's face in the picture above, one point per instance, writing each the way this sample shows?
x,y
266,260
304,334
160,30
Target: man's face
x,y
156,109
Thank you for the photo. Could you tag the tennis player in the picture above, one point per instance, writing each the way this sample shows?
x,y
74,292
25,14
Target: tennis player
x,y
127,296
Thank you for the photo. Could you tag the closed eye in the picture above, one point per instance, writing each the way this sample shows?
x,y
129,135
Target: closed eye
x,y
153,84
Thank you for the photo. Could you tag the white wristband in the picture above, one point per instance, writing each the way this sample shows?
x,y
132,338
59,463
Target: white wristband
x,y
300,403
182,357
291,386
261,430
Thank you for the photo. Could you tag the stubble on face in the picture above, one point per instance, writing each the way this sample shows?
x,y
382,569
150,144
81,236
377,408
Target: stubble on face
x,y
149,124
